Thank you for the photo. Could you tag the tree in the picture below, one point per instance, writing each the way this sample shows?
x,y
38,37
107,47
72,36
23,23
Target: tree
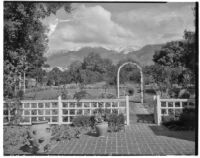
x,y
37,73
148,77
160,75
54,77
190,58
66,77
95,63
74,71
25,37
94,68
171,54
180,54
106,65
165,77
111,76
89,77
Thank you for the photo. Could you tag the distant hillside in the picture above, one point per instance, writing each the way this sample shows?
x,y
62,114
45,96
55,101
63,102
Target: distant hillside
x,y
65,58
145,54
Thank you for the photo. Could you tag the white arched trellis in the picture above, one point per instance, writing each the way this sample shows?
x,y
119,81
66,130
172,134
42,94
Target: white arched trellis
x,y
118,72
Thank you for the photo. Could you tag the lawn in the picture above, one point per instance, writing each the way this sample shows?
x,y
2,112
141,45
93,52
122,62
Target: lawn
x,y
95,91
53,93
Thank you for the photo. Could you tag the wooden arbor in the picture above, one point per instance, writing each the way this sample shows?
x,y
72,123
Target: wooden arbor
x,y
140,68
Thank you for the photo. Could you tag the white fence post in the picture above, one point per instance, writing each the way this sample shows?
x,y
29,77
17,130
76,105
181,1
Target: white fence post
x,y
59,110
158,111
127,110
8,115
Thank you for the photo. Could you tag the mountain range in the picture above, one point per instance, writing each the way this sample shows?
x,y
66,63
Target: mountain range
x,y
65,58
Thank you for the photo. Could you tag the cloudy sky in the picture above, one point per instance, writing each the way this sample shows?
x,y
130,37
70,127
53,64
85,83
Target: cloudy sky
x,y
118,26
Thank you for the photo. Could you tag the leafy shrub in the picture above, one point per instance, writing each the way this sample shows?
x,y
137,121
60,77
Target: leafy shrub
x,y
185,94
186,120
81,94
14,136
150,91
16,112
92,121
20,94
131,91
107,95
116,122
65,94
72,86
169,118
82,121
174,92
101,115
64,132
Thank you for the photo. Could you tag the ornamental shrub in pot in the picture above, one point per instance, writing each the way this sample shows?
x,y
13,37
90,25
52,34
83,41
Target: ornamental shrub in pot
x,y
101,123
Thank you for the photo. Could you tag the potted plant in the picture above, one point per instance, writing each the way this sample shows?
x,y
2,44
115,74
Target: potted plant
x,y
40,134
101,123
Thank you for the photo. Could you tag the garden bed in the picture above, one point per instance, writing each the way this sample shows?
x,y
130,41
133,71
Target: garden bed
x,y
16,138
184,122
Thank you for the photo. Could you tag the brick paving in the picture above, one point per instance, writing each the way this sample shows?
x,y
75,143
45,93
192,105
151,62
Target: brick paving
x,y
137,139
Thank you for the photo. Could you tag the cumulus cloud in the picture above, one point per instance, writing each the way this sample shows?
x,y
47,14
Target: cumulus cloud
x,y
158,24
95,26
89,26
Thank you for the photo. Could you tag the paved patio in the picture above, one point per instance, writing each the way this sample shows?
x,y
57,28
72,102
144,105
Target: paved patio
x,y
137,139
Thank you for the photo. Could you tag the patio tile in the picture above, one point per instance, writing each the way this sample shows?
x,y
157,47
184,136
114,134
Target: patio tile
x,y
128,143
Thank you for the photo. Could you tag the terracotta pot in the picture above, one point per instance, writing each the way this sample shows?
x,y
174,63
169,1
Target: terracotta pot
x,y
40,134
101,129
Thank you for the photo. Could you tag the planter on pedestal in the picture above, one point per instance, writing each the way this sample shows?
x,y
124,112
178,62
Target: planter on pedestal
x,y
40,134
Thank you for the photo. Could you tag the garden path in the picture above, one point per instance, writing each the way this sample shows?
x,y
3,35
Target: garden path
x,y
139,114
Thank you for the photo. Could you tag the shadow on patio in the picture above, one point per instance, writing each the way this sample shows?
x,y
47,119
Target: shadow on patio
x,y
163,131
92,134
145,118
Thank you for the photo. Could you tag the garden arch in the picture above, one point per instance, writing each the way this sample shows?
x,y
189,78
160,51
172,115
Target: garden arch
x,y
140,68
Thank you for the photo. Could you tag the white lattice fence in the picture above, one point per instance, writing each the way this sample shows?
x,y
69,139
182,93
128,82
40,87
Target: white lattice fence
x,y
63,111
166,107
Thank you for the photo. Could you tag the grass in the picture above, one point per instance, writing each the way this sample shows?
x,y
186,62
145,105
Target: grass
x,y
52,93
95,90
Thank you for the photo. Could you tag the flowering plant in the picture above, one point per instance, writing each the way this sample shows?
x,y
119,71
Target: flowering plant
x,y
101,115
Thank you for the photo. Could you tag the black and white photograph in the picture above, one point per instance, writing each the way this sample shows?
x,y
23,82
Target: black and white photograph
x,y
100,78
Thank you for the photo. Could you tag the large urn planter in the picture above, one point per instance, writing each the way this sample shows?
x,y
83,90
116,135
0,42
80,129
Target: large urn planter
x,y
101,129
40,134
